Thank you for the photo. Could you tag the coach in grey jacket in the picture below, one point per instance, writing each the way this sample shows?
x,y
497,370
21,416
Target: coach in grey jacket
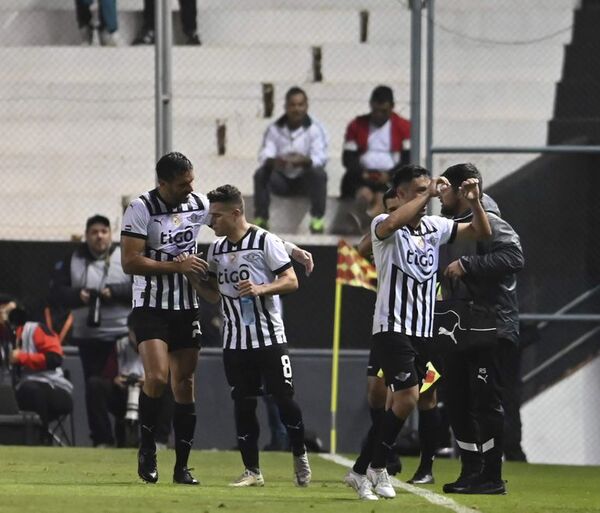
x,y
483,384
93,271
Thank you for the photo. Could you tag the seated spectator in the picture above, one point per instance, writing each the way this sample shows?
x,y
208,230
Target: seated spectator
x,y
108,24
38,355
373,145
111,396
292,161
188,13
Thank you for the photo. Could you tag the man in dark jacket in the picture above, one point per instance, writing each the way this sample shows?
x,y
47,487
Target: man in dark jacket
x,y
476,379
91,281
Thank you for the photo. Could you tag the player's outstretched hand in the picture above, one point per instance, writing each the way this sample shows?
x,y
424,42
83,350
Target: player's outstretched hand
x,y
247,288
304,258
470,189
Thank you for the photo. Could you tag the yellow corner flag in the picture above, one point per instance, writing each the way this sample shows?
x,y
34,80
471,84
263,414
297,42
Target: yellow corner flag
x,y
431,376
353,269
356,271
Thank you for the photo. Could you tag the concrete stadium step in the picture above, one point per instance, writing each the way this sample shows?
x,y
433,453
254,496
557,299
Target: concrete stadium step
x,y
43,65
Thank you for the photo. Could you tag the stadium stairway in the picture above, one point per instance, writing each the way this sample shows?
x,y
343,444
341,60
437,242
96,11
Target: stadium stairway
x,y
69,110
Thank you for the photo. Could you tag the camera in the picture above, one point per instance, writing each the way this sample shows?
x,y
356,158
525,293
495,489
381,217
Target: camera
x,y
94,316
133,397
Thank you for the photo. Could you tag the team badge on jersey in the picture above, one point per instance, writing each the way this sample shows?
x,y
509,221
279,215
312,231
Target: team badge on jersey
x,y
419,241
252,257
176,219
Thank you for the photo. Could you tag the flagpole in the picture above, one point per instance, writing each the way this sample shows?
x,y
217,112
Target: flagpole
x,y
335,365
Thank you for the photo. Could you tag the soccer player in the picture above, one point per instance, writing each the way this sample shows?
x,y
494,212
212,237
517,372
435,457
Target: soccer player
x,y
406,249
429,415
158,226
248,270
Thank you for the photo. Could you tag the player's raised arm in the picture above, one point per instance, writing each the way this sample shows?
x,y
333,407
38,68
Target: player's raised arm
x,y
410,210
479,227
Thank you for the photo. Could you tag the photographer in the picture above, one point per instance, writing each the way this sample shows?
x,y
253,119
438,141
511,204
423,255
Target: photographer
x,y
120,396
91,282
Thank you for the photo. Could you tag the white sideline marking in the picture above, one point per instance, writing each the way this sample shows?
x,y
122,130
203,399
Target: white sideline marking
x,y
434,498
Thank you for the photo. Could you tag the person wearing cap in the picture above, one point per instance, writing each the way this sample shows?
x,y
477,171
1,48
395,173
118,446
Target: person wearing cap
x,y
91,282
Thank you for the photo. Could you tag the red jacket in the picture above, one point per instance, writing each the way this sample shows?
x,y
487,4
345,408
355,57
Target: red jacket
x,y
358,132
45,342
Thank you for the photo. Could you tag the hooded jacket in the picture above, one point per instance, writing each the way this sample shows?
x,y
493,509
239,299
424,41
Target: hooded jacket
x,y
491,266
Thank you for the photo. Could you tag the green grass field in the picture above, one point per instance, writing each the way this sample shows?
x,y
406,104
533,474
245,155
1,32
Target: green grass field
x,y
47,480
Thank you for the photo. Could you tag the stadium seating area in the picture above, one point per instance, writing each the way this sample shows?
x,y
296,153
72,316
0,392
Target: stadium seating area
x,y
78,122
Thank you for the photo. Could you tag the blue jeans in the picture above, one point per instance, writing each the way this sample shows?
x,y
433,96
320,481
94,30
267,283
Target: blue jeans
x,y
108,14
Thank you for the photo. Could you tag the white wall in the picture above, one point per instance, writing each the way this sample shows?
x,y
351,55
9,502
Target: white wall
x,y
560,425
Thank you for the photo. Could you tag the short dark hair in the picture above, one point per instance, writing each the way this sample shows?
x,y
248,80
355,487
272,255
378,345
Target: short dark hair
x,y
388,195
18,316
382,94
229,194
458,173
171,165
293,91
97,219
407,173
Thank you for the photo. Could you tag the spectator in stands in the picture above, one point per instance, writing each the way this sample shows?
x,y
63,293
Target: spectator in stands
x,y
107,22
111,395
373,145
292,161
188,13
92,283
38,355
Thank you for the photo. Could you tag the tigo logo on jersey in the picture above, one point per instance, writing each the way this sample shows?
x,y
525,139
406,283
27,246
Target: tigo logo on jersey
x,y
423,260
179,238
235,276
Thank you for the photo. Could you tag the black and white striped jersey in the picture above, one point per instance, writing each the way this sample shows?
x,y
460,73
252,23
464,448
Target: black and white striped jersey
x,y
259,256
168,232
407,264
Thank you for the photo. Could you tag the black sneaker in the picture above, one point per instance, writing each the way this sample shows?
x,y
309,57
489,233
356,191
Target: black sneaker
x,y
463,482
421,478
147,466
184,476
486,486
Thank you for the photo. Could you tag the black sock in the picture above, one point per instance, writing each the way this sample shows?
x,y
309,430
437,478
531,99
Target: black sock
x,y
366,451
149,408
248,430
291,416
184,424
390,427
429,423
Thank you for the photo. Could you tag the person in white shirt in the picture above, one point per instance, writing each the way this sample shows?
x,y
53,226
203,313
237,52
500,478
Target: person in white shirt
x,y
374,144
292,161
406,245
